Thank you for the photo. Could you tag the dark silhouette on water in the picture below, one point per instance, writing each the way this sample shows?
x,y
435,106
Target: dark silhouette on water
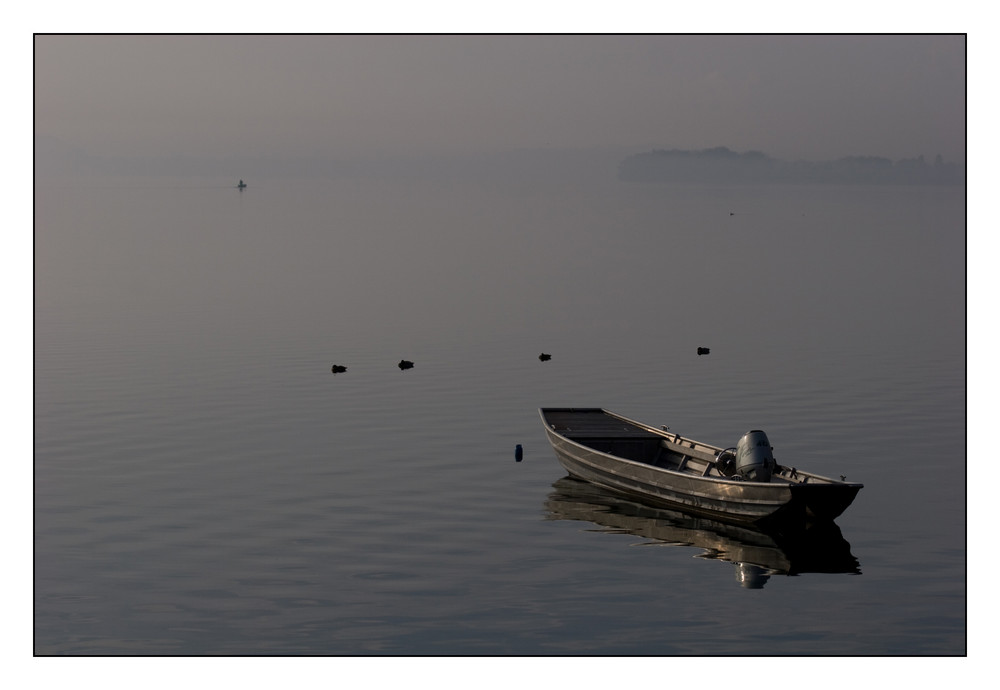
x,y
544,357
703,350
405,364
241,186
338,369
518,453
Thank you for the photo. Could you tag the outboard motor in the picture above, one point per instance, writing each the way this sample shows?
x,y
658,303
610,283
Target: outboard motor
x,y
725,462
754,461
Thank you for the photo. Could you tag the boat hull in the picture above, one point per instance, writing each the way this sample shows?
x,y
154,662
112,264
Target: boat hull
x,y
735,501
817,547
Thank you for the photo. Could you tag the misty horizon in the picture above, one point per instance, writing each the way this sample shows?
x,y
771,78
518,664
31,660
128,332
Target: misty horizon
x,y
54,157
402,98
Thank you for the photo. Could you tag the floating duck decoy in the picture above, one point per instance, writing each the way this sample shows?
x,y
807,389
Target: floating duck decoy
x,y
703,350
405,364
338,369
544,357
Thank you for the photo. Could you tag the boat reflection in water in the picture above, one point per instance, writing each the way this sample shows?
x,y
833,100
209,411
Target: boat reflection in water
x,y
757,555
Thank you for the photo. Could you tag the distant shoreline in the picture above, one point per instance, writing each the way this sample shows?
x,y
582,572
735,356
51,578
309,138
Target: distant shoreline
x,y
718,165
723,165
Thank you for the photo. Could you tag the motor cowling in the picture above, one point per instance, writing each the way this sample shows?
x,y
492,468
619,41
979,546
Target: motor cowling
x,y
754,460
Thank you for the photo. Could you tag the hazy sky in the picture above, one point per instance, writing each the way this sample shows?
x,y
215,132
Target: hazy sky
x,y
809,97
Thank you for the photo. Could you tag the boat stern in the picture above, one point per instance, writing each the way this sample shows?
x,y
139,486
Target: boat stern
x,y
824,502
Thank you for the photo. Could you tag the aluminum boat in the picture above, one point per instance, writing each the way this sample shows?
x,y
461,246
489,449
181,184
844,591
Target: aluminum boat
x,y
660,468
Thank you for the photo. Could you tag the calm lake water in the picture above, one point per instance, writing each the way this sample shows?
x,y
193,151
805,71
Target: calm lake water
x,y
205,485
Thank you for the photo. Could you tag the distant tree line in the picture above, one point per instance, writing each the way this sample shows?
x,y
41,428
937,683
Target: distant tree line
x,y
723,165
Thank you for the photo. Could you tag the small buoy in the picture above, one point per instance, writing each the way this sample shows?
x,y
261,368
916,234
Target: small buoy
x,y
338,369
544,357
405,364
703,350
518,453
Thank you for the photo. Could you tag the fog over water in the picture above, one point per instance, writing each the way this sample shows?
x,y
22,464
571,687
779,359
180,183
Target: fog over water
x,y
202,482
349,97
501,110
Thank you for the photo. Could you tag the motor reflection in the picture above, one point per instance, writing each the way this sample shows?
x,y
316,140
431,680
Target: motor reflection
x,y
751,576
756,554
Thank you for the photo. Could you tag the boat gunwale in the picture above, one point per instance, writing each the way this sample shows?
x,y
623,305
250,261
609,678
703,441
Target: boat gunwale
x,y
677,440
